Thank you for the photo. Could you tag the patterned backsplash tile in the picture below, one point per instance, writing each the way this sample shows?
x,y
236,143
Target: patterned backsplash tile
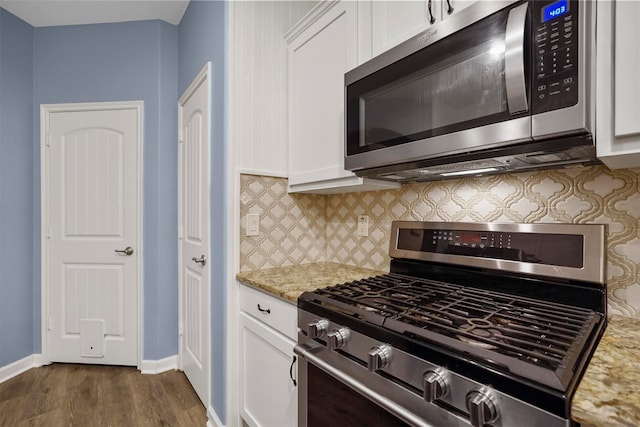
x,y
304,228
292,226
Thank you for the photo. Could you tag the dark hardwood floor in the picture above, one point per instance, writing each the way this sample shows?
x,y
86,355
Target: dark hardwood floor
x,y
93,395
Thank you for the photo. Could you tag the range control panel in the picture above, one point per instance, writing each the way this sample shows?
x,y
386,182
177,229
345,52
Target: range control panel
x,y
539,248
555,44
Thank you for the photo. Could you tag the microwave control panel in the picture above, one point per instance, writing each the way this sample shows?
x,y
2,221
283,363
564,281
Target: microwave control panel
x,y
555,55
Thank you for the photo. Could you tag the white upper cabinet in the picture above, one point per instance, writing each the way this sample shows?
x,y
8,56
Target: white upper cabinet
x,y
617,84
321,48
389,23
258,83
394,22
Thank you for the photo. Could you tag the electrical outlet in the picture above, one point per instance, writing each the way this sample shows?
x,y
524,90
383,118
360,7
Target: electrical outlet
x,y
363,225
253,224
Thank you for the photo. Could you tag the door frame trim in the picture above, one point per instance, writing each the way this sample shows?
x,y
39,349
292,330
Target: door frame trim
x,y
204,75
45,112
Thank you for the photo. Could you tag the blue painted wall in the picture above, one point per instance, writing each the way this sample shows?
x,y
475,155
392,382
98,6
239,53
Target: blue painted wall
x,y
121,62
17,286
203,37
150,61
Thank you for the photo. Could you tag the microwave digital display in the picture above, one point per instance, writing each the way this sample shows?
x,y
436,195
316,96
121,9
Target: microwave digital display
x,y
555,10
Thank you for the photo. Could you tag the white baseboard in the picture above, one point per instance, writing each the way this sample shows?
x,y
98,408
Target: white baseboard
x,y
159,366
20,366
212,418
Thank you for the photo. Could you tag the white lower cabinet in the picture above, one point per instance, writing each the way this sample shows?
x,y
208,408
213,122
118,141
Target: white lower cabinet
x,y
268,393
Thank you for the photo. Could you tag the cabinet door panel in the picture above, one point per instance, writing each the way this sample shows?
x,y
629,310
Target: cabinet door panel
x,y
617,86
321,48
395,21
451,7
627,57
318,61
268,395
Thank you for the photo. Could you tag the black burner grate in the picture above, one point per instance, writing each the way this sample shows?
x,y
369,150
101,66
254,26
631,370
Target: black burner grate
x,y
515,331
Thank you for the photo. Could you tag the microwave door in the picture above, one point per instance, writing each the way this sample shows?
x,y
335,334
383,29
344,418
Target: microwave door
x,y
465,93
514,60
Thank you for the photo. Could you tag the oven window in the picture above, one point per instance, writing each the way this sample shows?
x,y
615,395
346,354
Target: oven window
x,y
331,403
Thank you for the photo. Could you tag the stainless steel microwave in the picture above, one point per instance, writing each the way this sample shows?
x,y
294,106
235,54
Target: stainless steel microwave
x,y
500,86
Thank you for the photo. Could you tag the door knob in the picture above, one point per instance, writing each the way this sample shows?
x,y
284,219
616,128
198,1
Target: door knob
x,y
127,251
202,260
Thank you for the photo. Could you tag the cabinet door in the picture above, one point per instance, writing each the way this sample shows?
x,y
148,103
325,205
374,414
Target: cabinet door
x,y
617,85
627,67
268,395
393,22
318,59
322,47
451,7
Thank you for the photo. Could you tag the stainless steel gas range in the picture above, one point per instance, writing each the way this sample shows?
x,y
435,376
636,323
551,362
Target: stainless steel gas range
x,y
476,324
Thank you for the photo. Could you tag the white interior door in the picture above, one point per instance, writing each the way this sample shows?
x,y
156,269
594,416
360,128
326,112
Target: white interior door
x,y
91,239
195,347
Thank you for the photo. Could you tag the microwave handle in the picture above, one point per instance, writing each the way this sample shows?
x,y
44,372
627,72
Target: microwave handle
x,y
514,60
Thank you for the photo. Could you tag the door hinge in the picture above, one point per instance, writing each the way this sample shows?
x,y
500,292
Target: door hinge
x,y
180,137
49,232
180,329
49,324
48,143
180,232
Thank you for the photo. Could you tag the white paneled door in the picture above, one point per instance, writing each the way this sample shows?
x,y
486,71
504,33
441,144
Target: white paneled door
x,y
91,232
195,265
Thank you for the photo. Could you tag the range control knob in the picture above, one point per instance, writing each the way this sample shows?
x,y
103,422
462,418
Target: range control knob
x,y
379,357
482,408
338,338
317,328
435,385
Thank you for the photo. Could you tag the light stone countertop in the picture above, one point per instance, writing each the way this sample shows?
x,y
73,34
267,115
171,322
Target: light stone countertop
x,y
290,282
608,394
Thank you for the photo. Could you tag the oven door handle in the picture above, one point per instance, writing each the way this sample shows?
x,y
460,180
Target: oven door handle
x,y
306,353
514,60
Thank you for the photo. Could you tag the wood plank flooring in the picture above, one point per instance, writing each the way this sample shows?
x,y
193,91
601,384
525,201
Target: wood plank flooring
x,y
93,395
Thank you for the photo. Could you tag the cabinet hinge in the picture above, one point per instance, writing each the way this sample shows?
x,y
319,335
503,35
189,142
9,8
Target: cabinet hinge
x,y
49,324
49,232
179,232
48,140
180,331
180,137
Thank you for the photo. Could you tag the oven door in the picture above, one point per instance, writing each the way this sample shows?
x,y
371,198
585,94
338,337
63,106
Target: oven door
x,y
333,390
326,401
459,86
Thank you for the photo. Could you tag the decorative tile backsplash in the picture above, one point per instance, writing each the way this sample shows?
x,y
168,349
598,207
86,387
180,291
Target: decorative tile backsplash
x,y
304,228
292,226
